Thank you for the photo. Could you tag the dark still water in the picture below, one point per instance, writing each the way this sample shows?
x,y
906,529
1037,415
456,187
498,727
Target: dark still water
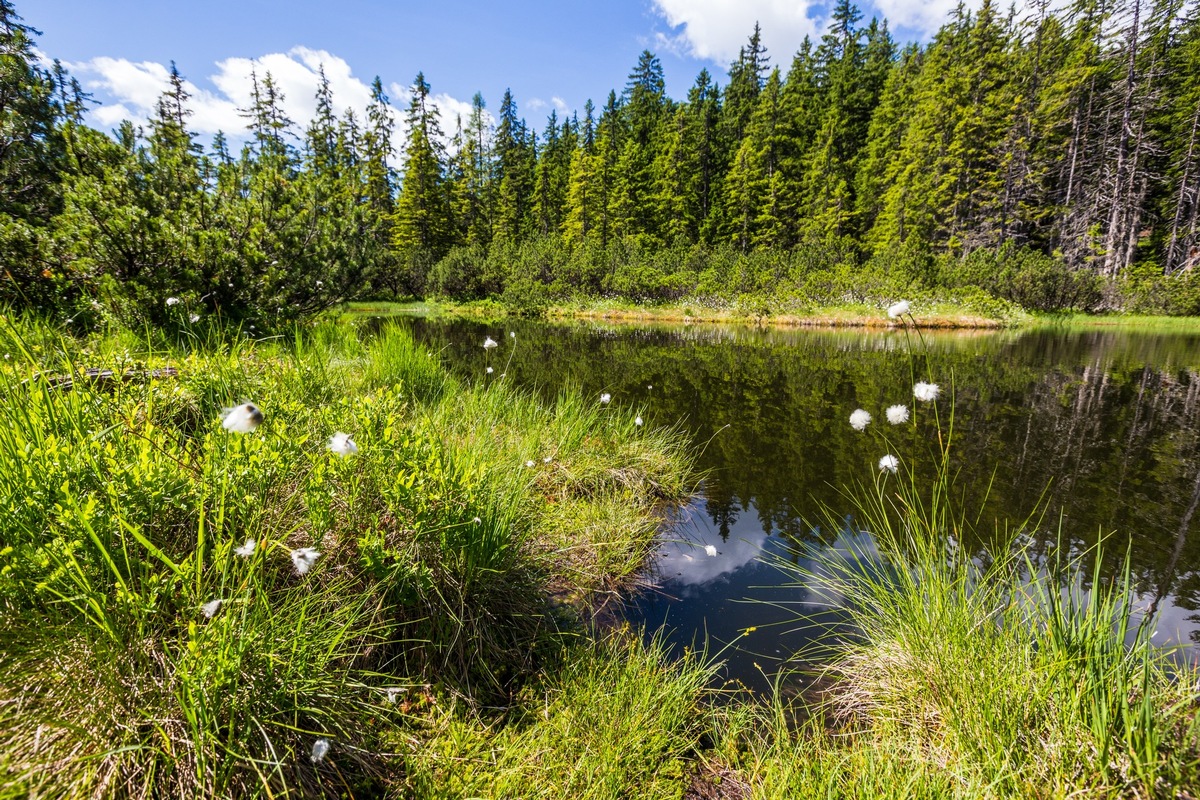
x,y
1103,427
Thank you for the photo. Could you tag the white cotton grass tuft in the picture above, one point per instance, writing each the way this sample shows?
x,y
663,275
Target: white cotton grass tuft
x,y
925,392
342,445
897,414
210,609
605,398
303,559
173,301
889,463
547,459
711,550
639,422
242,419
477,521
194,318
898,309
489,343
320,749
246,550
860,419
529,464
490,370
512,334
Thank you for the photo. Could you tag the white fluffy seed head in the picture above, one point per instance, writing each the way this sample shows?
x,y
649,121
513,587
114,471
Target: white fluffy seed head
x,y
210,608
247,550
173,301
605,398
898,309
897,414
342,445
303,559
490,370
242,419
889,463
489,343
638,421
711,550
860,419
320,749
925,392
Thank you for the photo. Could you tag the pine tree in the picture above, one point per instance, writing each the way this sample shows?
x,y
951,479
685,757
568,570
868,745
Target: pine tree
x,y
516,157
553,176
583,186
422,225
880,163
609,144
472,184
644,108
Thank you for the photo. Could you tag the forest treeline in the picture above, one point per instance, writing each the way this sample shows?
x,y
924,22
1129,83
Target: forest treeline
x,y
1049,157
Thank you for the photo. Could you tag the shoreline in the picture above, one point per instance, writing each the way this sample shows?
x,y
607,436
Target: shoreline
x,y
828,319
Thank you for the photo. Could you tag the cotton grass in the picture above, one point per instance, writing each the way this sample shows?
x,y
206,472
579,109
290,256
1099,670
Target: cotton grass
x,y
242,419
860,419
341,444
303,559
925,392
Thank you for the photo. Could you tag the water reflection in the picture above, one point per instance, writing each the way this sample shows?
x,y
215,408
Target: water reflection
x,y
1099,429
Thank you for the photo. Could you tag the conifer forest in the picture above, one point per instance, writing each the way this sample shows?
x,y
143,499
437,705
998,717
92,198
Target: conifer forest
x,y
1049,157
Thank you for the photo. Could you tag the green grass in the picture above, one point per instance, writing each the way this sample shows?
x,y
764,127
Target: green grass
x,y
611,720
122,505
996,672
1136,322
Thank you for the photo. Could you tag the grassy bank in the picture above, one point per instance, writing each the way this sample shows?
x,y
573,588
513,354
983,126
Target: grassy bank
x,y
934,315
162,557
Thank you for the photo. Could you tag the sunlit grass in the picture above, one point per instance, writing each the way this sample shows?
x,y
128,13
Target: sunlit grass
x,y
210,668
610,720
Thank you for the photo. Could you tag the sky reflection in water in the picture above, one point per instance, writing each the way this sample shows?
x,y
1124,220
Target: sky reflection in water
x,y
1101,427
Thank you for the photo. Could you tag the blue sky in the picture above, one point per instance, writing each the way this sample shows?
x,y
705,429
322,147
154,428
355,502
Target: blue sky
x,y
550,53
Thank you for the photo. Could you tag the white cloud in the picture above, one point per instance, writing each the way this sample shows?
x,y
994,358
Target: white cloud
x,y
559,104
134,88
452,110
130,90
921,16
716,29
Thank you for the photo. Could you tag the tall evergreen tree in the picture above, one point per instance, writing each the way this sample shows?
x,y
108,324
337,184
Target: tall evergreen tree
x,y
422,225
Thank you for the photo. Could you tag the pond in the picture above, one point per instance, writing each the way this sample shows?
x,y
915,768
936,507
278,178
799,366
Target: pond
x,y
1098,429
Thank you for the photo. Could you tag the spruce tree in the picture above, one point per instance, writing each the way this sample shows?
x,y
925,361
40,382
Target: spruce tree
x,y
421,224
